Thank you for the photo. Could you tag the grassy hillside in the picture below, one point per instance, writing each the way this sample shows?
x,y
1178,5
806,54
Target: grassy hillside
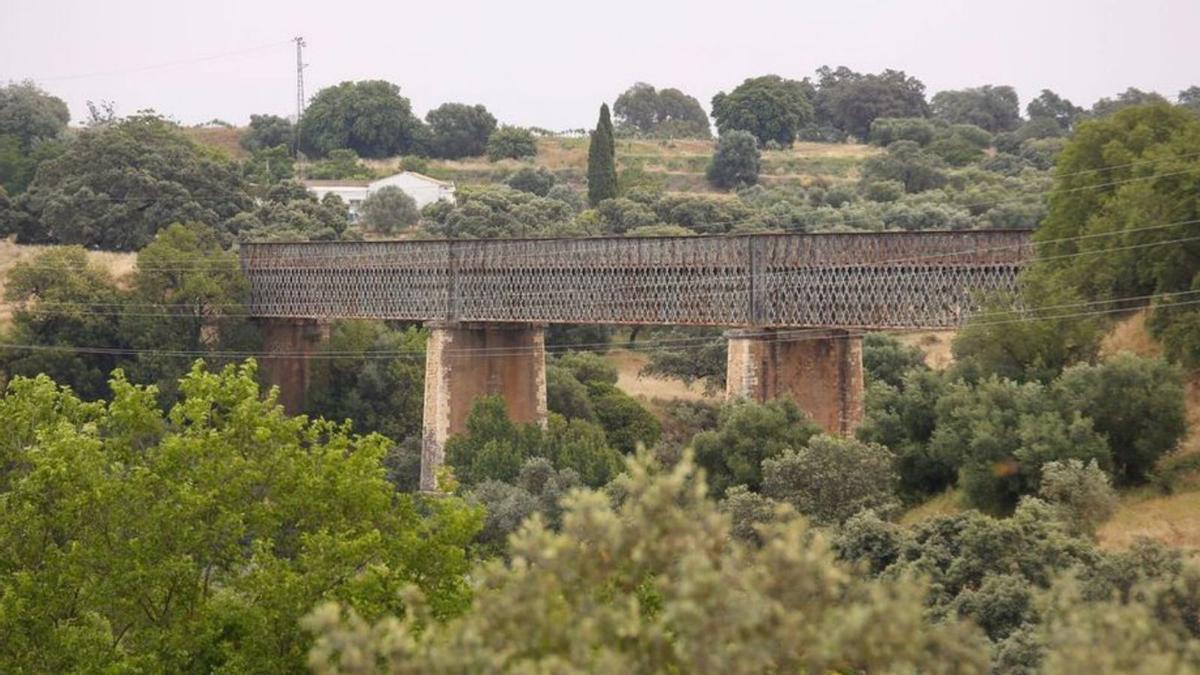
x,y
676,165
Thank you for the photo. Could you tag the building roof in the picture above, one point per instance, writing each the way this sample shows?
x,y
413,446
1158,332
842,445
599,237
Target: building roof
x,y
419,176
337,183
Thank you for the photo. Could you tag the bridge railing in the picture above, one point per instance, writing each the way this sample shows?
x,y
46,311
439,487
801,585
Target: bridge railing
x,y
869,280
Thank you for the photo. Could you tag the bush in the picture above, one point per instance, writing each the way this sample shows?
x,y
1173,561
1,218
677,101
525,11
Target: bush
x,y
568,195
886,359
748,434
389,210
831,479
620,215
903,419
1001,433
511,143
529,179
736,161
867,538
566,395
749,511
883,190
626,423
538,489
1136,403
887,130
1082,493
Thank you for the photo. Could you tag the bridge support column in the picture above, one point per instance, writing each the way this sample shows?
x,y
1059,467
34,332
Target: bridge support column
x,y
287,346
464,361
820,370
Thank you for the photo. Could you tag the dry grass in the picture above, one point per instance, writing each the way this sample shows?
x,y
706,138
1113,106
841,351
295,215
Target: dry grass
x,y
119,264
1130,335
629,365
676,164
935,345
1171,519
221,138
948,503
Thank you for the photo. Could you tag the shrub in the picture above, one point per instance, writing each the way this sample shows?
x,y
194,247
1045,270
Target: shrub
x,y
903,419
568,195
883,190
748,511
1136,403
867,538
747,434
1082,493
566,395
389,210
529,179
620,215
886,359
511,143
1002,432
736,161
831,479
626,423
887,130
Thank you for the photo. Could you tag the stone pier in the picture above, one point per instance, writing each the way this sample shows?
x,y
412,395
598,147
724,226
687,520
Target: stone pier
x,y
820,370
287,347
464,361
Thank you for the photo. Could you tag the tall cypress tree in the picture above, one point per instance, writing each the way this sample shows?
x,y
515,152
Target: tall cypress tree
x,y
602,160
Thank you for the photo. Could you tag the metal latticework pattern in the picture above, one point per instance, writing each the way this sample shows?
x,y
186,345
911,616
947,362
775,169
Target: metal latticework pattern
x,y
854,280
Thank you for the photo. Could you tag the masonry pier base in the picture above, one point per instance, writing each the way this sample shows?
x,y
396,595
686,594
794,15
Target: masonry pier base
x,y
820,370
288,345
464,361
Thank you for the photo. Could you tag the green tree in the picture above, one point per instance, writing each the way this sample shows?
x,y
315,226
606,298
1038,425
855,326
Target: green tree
x,y
116,185
1049,105
188,296
831,479
746,435
290,212
992,107
886,130
30,115
489,212
495,448
1083,493
657,584
1127,99
537,181
770,107
668,113
906,163
852,101
511,143
736,162
887,359
902,418
389,210
1000,433
602,160
267,131
268,166
1122,181
368,117
1136,403
62,301
626,423
460,130
340,164
378,395
192,539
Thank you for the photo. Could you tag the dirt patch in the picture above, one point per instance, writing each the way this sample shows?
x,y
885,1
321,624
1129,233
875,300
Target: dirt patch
x,y
629,364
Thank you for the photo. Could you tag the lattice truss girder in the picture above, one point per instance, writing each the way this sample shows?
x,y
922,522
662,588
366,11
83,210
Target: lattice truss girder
x,y
877,280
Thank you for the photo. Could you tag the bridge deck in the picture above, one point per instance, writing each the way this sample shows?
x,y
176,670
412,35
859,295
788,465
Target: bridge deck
x,y
848,280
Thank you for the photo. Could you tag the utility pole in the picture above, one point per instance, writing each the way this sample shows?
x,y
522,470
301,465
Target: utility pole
x,y
300,65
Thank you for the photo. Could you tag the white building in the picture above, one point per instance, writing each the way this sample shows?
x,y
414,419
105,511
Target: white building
x,y
423,189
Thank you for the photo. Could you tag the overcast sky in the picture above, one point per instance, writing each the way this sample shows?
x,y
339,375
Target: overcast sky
x,y
550,63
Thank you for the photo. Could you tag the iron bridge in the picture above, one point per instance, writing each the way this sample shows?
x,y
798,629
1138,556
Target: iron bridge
x,y
834,280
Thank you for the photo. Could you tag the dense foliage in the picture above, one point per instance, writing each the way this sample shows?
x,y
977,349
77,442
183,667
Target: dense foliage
x,y
656,584
659,113
736,162
116,185
769,107
192,539
389,210
602,160
459,130
369,117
